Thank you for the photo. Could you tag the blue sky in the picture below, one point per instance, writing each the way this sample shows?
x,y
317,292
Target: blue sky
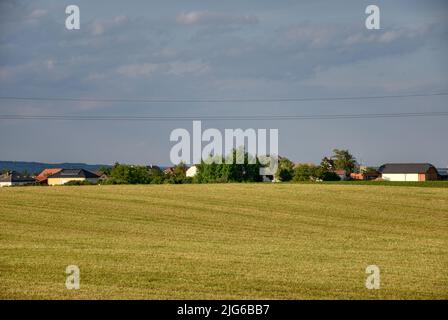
x,y
223,49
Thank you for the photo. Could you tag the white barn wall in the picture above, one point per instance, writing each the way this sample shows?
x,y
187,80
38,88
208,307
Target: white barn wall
x,y
191,172
400,176
9,184
59,181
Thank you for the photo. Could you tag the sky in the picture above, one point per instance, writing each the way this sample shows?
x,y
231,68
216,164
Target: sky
x,y
235,49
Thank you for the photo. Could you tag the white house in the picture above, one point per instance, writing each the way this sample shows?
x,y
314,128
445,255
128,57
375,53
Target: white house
x,y
192,171
14,178
408,172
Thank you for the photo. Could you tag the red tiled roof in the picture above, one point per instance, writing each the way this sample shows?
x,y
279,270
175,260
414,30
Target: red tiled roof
x,y
357,176
169,170
47,172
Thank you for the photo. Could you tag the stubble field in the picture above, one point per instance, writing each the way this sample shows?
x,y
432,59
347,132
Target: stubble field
x,y
224,241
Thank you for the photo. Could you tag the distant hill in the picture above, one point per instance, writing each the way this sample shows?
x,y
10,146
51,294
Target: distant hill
x,y
36,167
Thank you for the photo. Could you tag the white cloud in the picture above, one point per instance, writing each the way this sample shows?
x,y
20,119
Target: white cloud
x,y
38,13
96,76
137,70
179,68
314,36
101,26
5,73
176,68
50,64
388,36
206,17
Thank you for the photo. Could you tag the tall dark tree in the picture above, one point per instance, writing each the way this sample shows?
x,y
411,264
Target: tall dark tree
x,y
325,171
344,160
285,170
239,166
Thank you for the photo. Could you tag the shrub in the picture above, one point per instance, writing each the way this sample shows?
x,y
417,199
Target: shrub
x,y
329,176
306,172
285,171
113,181
79,183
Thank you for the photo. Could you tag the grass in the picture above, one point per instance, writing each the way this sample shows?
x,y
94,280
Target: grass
x,y
420,184
226,241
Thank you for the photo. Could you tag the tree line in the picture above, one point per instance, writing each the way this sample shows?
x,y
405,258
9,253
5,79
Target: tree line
x,y
340,160
131,174
220,169
214,170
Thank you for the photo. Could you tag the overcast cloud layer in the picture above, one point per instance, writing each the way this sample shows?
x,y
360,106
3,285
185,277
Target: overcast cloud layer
x,y
223,50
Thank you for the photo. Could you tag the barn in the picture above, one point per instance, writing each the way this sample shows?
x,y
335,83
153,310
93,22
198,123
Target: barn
x,y
42,177
408,172
14,178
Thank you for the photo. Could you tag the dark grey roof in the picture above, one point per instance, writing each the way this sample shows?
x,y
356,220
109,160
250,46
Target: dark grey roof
x,y
74,173
405,168
15,176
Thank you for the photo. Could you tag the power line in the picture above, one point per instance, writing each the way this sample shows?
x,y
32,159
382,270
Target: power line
x,y
229,100
225,118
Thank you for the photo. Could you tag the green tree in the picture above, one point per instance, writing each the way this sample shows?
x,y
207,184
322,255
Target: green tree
x,y
128,174
219,169
325,175
344,160
157,175
306,172
285,170
178,176
105,170
326,172
369,170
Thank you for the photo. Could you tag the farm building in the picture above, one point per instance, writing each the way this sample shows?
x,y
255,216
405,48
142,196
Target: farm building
x,y
192,171
370,175
343,174
152,169
175,170
169,170
408,172
443,172
14,178
67,175
42,177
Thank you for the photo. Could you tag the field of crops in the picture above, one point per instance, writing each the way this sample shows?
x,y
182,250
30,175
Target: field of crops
x,y
224,241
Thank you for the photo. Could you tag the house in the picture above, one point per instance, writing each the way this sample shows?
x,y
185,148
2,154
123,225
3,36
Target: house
x,y
169,170
101,176
408,172
443,173
192,171
67,175
152,169
343,174
42,177
357,176
14,178
366,175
